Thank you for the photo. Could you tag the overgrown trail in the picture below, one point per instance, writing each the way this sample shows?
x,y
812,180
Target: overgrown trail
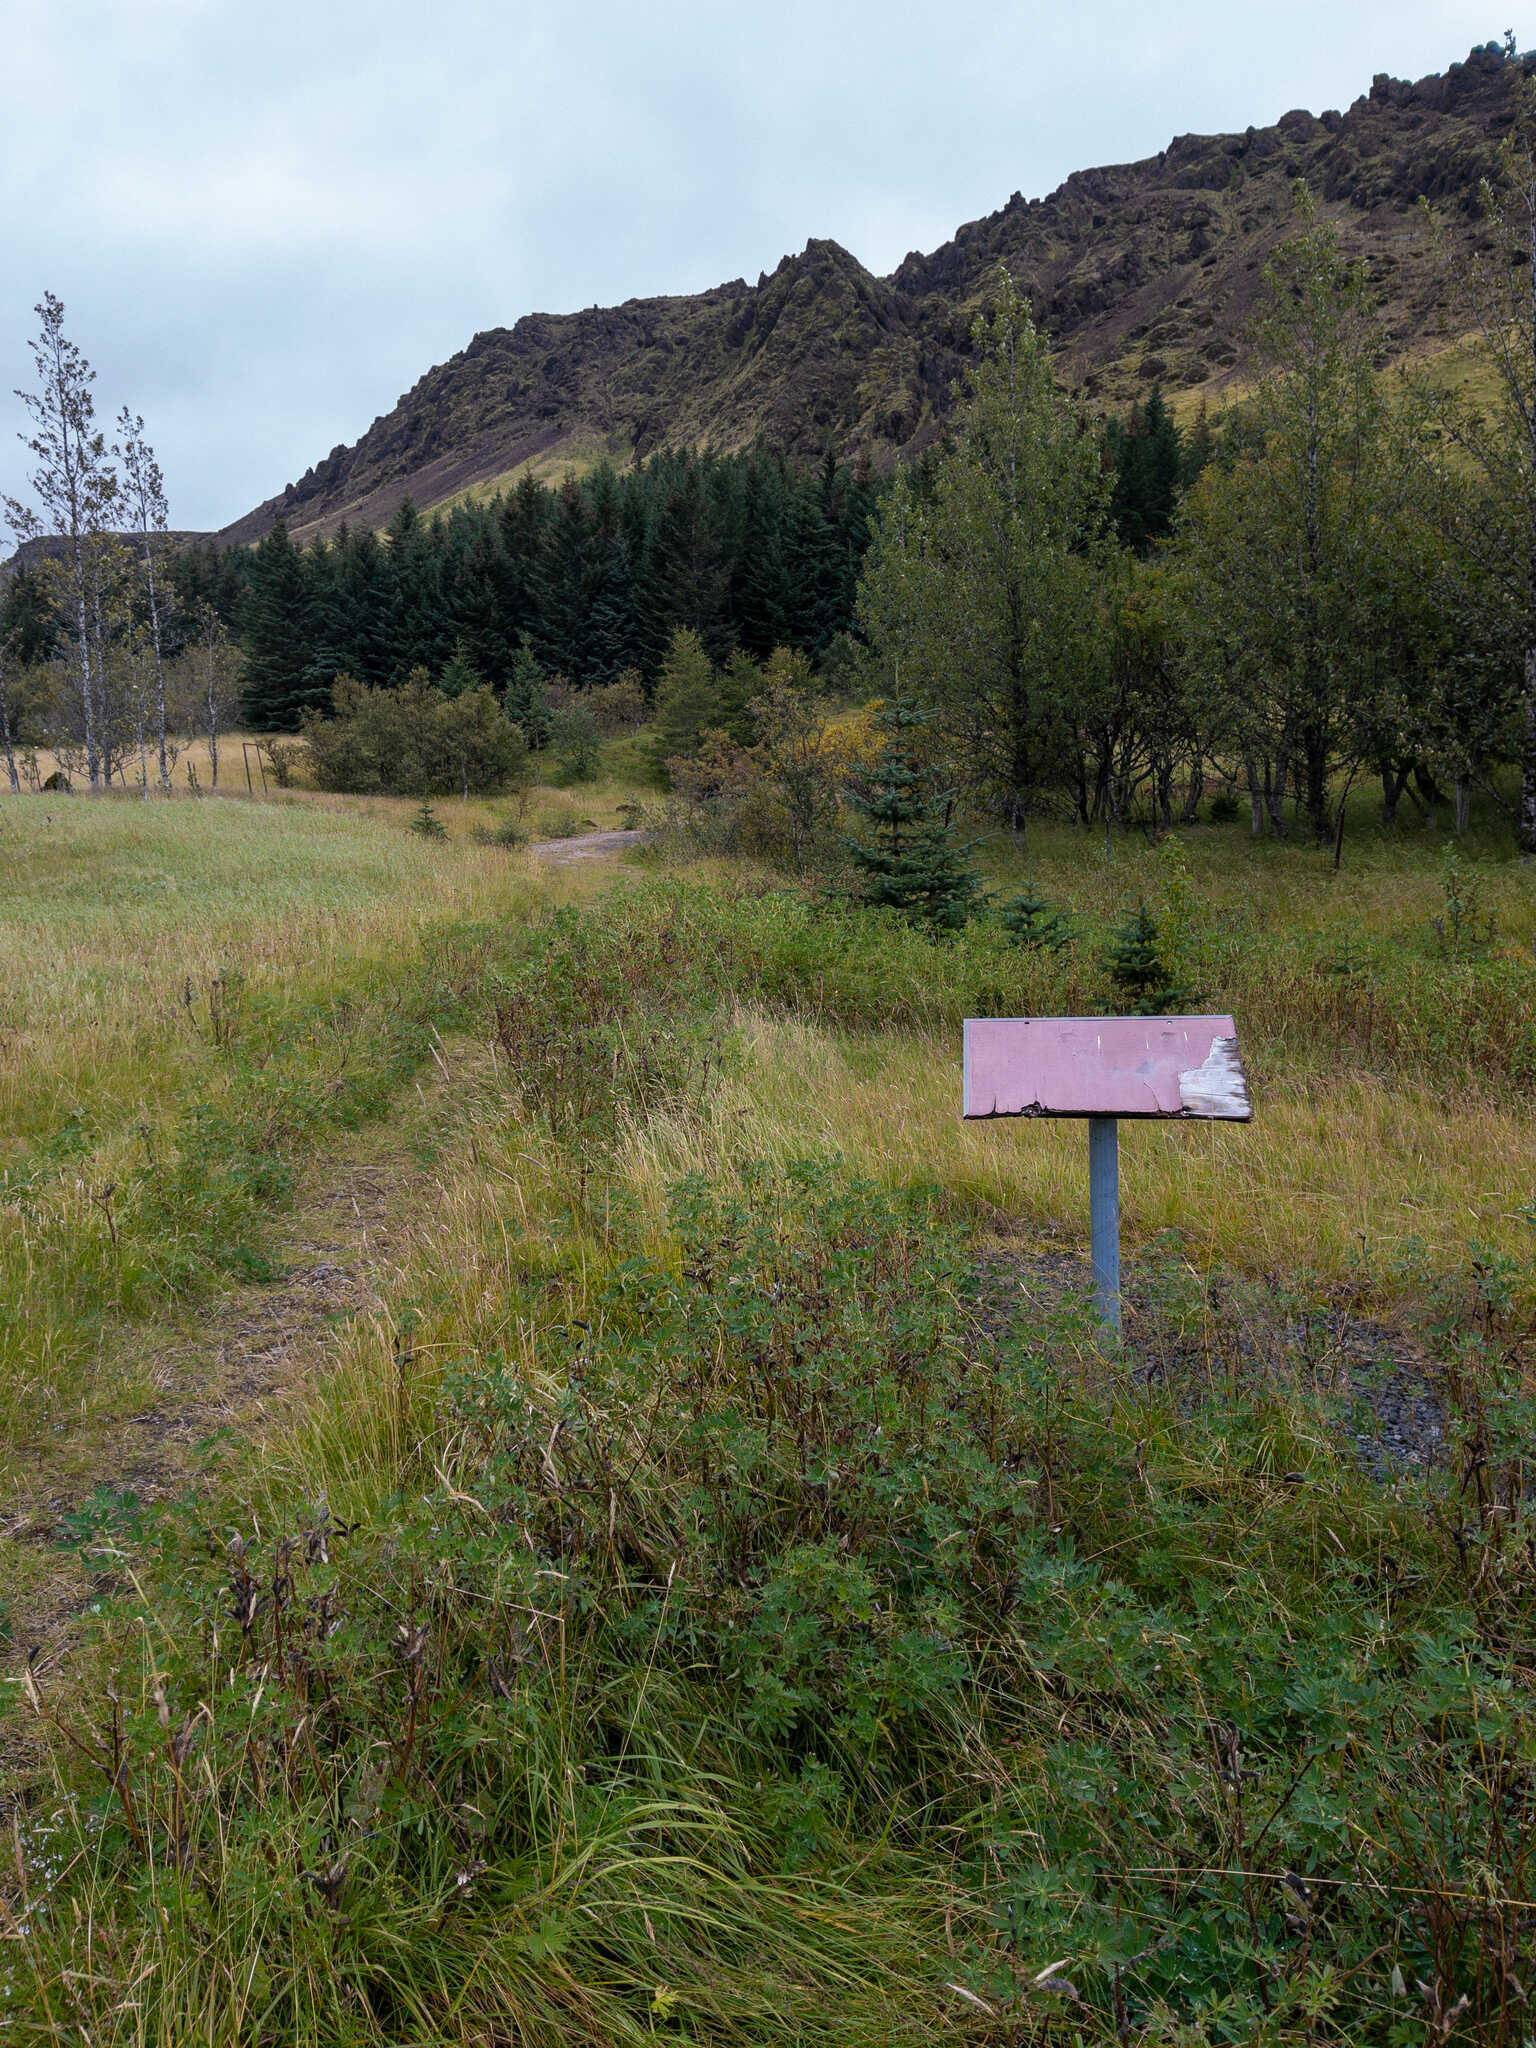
x,y
231,1373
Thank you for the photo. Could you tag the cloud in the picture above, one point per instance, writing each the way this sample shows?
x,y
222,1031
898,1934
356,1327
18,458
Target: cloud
x,y
266,224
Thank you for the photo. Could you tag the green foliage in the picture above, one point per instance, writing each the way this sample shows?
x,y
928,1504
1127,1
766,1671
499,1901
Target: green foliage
x,y
459,673
980,594
526,698
275,636
588,578
574,740
694,698
414,741
425,822
1035,924
1296,557
797,755
1182,922
910,864
1150,467
1465,928
1135,965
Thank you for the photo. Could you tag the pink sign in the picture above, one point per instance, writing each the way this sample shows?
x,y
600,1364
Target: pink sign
x,y
1104,1066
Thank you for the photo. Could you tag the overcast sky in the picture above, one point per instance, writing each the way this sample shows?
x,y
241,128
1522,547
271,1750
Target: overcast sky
x,y
266,222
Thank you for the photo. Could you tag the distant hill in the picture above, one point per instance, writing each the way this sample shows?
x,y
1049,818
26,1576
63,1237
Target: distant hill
x,y
1140,273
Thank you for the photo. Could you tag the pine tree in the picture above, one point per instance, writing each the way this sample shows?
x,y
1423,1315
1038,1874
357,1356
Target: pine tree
x,y
688,699
425,822
459,673
525,701
1034,923
1135,964
1148,458
910,864
691,576
28,620
275,634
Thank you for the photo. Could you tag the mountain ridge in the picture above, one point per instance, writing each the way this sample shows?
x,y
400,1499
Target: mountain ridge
x,y
1140,273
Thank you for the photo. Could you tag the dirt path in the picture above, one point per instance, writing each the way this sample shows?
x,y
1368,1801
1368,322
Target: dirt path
x,y
239,1369
567,853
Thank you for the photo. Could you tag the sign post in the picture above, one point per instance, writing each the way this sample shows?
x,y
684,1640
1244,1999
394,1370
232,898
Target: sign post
x,y
1105,1068
1104,1215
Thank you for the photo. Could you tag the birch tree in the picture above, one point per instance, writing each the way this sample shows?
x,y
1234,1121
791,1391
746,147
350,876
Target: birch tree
x,y
216,691
1280,547
76,489
1493,527
144,498
986,600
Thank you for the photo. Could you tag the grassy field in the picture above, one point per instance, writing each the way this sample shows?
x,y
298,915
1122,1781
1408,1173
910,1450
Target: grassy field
x,y
642,1536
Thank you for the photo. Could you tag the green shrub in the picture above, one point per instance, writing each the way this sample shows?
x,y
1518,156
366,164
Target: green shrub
x,y
414,741
772,1576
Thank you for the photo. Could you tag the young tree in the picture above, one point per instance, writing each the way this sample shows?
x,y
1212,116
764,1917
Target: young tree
x,y
215,680
982,599
459,672
527,697
1280,545
910,863
1493,527
144,500
796,750
693,697
76,488
1135,964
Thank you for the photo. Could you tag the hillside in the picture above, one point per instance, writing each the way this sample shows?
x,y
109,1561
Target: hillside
x,y
1140,273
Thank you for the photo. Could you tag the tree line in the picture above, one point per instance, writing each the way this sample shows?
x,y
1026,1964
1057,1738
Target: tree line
x,y
1124,619
1345,587
591,577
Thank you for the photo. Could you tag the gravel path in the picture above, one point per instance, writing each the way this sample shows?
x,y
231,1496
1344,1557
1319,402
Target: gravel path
x,y
566,853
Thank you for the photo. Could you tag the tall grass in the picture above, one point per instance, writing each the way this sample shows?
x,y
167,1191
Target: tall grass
x,y
697,1605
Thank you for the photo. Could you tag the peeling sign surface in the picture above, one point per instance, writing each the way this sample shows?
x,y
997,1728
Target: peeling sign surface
x,y
1105,1066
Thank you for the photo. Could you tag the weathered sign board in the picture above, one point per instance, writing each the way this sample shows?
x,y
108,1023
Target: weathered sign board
x,y
1104,1068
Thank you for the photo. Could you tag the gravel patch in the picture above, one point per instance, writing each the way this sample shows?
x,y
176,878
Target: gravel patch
x,y
1374,1387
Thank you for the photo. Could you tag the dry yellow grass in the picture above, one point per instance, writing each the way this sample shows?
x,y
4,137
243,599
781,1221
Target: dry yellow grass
x,y
1327,1174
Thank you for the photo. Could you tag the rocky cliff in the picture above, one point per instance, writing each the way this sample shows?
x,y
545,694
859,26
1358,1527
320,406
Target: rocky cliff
x,y
1141,273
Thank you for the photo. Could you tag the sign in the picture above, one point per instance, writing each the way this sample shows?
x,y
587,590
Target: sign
x,y
1105,1068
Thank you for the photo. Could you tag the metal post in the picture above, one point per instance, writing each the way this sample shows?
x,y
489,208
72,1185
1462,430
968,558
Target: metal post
x,y
1104,1215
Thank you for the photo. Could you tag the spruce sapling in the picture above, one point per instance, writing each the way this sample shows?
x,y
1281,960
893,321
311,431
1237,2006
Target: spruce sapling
x,y
911,864
1035,923
1135,965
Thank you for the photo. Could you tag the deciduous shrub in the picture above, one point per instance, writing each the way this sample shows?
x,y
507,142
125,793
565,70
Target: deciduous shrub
x,y
414,741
